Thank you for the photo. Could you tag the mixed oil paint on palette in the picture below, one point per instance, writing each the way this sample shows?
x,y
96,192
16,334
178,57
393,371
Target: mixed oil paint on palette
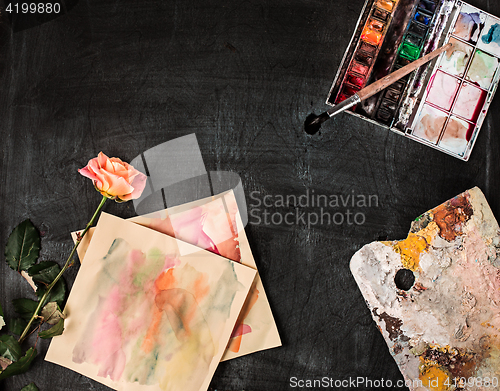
x,y
435,296
149,312
214,224
443,104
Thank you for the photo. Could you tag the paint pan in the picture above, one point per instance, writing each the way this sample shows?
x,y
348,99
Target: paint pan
x,y
442,104
371,34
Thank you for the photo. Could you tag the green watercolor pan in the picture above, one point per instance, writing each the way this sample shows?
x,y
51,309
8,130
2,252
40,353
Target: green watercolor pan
x,y
442,104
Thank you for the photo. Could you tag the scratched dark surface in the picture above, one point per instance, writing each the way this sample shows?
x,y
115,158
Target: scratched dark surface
x,y
124,76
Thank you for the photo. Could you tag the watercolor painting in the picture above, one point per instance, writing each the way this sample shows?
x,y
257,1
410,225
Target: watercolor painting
x,y
435,295
214,224
143,316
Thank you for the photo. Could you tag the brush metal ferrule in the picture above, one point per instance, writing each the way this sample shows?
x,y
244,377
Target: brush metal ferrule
x,y
344,105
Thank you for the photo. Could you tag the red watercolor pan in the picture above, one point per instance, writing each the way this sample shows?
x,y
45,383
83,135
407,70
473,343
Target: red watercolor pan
x,y
470,101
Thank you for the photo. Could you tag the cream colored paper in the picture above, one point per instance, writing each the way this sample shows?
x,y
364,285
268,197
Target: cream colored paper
x,y
143,317
214,224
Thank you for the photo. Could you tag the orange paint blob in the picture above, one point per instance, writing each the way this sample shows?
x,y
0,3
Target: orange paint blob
x,y
451,216
410,250
371,36
436,379
387,5
235,344
166,280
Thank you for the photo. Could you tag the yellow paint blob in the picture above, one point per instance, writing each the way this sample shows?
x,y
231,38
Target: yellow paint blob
x,y
436,379
410,250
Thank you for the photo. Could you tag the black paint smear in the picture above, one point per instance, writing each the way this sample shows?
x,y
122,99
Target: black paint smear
x,y
20,21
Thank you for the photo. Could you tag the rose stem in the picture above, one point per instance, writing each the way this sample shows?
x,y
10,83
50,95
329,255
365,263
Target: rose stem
x,y
66,265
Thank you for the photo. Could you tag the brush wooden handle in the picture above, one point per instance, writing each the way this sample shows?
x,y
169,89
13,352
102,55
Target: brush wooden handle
x,y
386,81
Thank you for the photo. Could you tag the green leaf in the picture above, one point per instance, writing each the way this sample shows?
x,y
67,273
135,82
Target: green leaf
x,y
10,348
30,387
17,325
51,313
23,246
43,274
53,331
57,293
25,307
21,366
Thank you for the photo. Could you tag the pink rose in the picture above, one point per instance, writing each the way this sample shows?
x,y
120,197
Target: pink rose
x,y
114,179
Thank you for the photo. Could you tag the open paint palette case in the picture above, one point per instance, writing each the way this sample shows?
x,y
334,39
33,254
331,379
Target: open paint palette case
x,y
443,104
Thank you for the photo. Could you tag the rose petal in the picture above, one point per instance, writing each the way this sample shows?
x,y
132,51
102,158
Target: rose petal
x,y
87,173
102,182
138,183
118,160
118,186
119,169
93,165
101,159
108,166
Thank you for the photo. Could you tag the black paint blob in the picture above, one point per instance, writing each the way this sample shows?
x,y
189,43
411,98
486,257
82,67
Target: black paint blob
x,y
404,279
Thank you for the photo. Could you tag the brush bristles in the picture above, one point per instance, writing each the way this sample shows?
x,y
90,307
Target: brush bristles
x,y
313,122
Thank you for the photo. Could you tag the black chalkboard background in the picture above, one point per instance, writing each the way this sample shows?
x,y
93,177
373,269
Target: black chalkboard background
x,y
124,76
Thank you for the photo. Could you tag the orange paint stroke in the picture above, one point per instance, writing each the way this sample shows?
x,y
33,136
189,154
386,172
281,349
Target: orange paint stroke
x,y
150,338
236,336
235,342
165,280
179,305
201,288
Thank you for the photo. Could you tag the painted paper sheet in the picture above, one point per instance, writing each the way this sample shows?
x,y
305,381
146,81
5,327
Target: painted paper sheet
x,y
435,296
214,224
141,316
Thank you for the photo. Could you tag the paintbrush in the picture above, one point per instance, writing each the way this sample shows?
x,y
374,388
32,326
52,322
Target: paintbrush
x,y
313,122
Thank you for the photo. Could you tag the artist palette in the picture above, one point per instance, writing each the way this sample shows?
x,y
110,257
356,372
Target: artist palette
x,y
442,104
435,296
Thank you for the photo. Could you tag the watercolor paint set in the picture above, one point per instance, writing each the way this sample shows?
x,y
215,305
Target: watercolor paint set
x,y
442,104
